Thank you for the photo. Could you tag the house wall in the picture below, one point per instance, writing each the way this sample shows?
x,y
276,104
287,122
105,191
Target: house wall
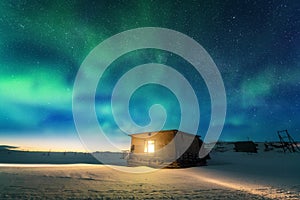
x,y
186,143
164,144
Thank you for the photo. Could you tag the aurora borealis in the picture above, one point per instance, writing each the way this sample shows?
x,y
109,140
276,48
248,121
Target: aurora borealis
x,y
255,45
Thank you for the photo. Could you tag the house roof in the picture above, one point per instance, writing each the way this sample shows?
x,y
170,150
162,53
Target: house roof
x,y
148,134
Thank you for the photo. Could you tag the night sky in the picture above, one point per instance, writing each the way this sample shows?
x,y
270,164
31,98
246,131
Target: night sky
x,y
255,45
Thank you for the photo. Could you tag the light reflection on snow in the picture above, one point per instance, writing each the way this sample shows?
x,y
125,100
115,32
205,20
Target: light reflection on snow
x,y
46,165
139,169
261,190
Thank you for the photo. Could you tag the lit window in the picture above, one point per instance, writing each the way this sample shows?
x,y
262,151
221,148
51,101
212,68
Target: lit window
x,y
149,146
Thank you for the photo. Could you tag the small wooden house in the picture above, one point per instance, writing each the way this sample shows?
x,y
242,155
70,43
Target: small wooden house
x,y
169,148
245,146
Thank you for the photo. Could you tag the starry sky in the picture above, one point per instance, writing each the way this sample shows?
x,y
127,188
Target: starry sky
x,y
255,45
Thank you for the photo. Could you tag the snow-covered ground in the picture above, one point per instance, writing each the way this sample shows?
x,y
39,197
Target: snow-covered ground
x,y
229,175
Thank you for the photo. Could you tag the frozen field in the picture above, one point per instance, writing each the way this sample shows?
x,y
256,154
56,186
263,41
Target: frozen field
x,y
229,175
100,182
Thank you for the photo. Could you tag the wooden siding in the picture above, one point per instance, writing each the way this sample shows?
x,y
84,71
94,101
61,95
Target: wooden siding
x,y
163,141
